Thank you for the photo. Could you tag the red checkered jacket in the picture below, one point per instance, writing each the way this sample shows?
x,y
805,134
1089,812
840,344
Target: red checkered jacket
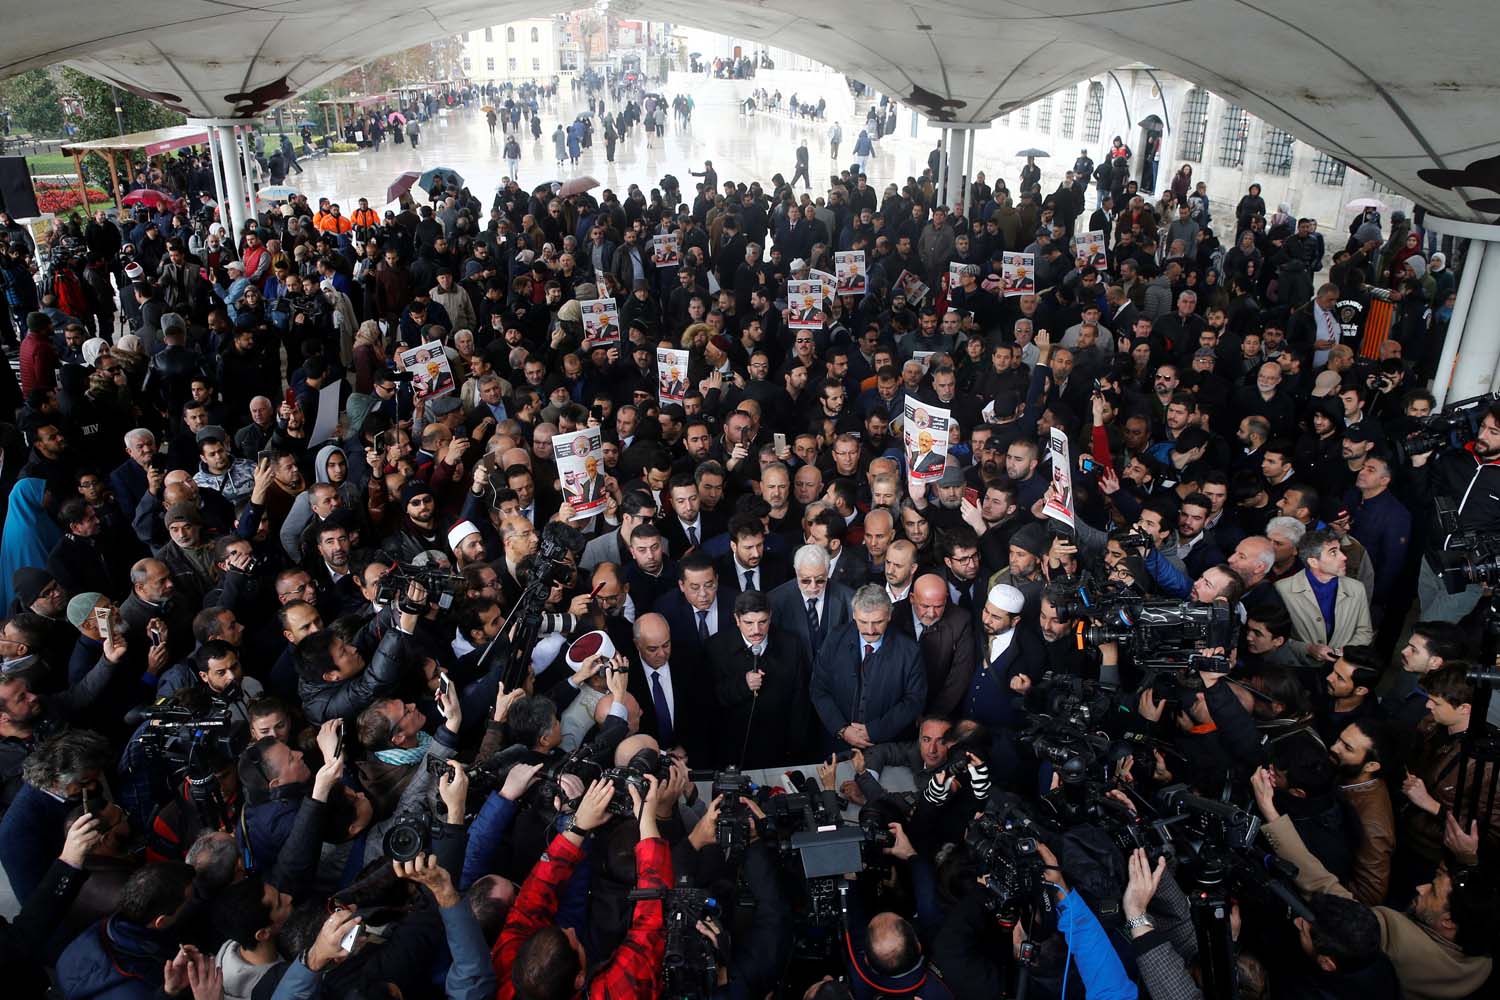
x,y
633,972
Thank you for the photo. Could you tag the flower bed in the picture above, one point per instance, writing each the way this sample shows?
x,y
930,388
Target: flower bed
x,y
60,196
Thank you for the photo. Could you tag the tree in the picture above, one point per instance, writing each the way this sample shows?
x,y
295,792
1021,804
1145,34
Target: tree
x,y
97,100
34,103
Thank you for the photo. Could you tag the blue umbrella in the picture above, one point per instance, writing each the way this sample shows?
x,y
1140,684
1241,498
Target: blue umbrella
x,y
447,175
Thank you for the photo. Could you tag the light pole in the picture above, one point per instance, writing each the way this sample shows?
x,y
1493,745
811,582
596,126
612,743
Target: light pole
x,y
114,93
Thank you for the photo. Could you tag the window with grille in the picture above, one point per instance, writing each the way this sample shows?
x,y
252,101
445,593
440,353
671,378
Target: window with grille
x,y
489,64
1093,113
536,64
466,63
1194,126
1327,170
534,36
1232,138
1005,120
510,34
1276,152
510,63
489,34
1069,111
1044,114
1023,117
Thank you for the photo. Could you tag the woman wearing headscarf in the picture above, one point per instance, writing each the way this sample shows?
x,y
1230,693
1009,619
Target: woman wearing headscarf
x,y
30,532
369,356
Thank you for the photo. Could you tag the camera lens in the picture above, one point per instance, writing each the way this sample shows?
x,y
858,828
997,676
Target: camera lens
x,y
405,840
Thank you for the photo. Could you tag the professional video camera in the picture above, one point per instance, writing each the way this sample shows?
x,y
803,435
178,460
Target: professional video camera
x,y
690,965
1163,633
1005,845
1468,556
1453,426
553,563
732,828
193,742
442,586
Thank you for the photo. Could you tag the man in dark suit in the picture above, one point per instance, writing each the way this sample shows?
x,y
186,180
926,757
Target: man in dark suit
x,y
762,679
809,606
868,682
686,525
676,701
129,479
748,566
945,634
695,610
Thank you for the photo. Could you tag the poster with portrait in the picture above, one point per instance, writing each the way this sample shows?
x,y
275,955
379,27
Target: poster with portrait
x,y
956,272
830,283
849,268
913,287
924,431
1060,500
431,375
580,467
1089,248
1018,276
601,320
666,250
923,358
805,300
671,375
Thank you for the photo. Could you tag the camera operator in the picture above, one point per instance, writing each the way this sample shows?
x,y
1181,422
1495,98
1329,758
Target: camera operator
x,y
539,961
1470,477
334,679
923,757
1439,948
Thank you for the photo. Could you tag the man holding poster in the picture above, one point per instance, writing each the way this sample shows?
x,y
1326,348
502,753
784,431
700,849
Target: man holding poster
x,y
601,320
849,266
925,433
664,250
430,373
1018,275
1088,248
804,299
579,467
1060,498
671,375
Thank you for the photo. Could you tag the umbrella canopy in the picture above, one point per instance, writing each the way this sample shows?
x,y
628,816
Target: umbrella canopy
x,y
577,185
307,124
398,118
1033,152
400,186
447,175
149,197
486,108
1367,203
276,192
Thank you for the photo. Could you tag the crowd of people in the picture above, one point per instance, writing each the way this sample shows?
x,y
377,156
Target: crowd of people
x,y
258,734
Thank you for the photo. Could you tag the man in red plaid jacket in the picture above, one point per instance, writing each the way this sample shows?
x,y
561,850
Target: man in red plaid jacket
x,y
536,960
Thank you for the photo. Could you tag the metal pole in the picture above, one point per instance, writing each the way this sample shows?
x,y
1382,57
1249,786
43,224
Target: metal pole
x,y
969,176
942,168
215,160
114,93
233,191
1458,324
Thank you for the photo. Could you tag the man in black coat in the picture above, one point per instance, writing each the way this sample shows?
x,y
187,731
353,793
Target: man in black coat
x,y
761,686
869,684
748,566
676,700
944,633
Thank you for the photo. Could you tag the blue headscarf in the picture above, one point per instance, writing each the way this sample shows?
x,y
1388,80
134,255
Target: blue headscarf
x,y
30,534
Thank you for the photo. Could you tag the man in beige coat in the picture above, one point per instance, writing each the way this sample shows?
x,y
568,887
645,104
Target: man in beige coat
x,y
1319,589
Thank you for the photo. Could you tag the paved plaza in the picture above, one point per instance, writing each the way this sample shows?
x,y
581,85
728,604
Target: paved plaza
x,y
743,148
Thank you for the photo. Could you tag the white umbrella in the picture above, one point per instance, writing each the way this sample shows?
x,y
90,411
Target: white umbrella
x,y
1363,203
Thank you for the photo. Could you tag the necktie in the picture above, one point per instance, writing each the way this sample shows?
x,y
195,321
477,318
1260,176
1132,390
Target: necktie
x,y
703,626
868,650
692,534
664,731
749,579
812,622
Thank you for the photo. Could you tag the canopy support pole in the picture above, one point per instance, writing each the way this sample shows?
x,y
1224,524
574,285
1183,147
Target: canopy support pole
x,y
1470,360
228,181
114,178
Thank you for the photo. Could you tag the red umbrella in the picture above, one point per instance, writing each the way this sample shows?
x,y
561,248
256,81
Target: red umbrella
x,y
577,185
149,197
401,185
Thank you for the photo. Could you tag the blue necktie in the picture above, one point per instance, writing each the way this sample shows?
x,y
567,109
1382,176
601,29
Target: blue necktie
x,y
703,626
664,732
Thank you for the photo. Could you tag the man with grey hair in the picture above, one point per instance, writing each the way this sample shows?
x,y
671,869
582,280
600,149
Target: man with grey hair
x,y
868,683
810,606
57,774
131,479
1285,534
